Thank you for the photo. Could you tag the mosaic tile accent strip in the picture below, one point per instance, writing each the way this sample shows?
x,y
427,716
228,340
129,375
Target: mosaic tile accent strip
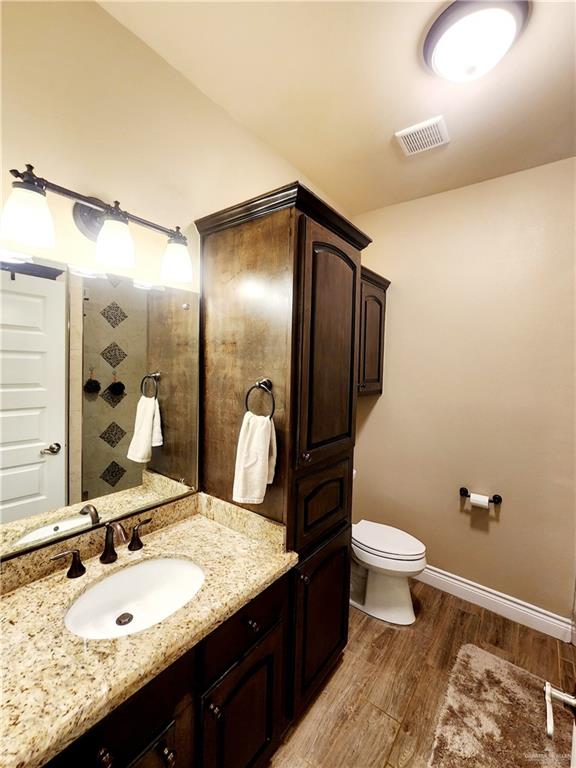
x,y
113,473
114,314
113,354
111,399
113,434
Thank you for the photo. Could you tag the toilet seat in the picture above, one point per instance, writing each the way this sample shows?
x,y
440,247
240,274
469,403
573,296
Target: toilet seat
x,y
384,541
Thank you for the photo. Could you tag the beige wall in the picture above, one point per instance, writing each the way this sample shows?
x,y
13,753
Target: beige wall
x,y
95,109
479,380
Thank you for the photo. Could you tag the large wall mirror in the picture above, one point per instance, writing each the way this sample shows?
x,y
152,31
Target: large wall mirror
x,y
78,355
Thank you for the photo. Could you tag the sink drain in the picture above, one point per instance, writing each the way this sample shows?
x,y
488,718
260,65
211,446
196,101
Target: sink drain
x,y
123,619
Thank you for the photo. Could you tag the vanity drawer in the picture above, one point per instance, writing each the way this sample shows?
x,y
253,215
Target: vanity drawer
x,y
233,639
323,499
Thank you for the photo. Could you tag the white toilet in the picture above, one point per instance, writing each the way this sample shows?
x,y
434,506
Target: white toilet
x,y
390,557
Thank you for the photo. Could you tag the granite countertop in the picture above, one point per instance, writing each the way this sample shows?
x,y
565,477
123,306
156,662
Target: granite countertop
x,y
56,686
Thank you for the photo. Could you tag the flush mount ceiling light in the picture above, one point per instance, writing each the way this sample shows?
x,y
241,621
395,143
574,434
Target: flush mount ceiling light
x,y
26,220
470,37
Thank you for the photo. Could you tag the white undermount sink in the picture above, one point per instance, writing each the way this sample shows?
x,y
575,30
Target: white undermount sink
x,y
134,598
59,526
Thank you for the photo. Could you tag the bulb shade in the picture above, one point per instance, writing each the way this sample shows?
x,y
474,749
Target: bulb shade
x,y
114,245
176,264
469,38
26,219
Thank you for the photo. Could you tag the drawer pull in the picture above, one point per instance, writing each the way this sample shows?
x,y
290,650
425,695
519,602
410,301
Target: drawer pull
x,y
254,626
168,757
305,457
305,579
104,759
215,710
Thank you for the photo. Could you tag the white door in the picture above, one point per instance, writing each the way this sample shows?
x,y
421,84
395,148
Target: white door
x,y
32,395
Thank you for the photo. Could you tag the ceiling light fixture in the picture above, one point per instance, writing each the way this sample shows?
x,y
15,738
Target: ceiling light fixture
x,y
26,219
470,37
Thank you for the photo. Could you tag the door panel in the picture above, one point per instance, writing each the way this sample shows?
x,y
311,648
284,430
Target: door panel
x,y
328,363
322,606
372,319
32,375
323,501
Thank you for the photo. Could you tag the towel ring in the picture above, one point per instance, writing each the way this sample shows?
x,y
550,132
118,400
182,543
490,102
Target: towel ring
x,y
266,385
154,377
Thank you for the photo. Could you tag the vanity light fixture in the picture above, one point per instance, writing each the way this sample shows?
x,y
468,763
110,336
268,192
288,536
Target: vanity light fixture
x,y
470,37
26,219
176,263
114,244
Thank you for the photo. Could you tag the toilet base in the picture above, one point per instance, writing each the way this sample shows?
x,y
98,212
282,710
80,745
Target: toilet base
x,y
388,598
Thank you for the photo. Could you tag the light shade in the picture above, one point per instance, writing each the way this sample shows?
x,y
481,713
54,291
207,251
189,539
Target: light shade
x,y
26,218
114,244
469,38
176,263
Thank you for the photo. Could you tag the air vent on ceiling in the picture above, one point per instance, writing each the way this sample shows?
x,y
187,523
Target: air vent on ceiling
x,y
424,136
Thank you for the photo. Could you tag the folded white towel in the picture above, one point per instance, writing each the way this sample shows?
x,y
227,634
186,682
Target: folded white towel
x,y
147,430
255,459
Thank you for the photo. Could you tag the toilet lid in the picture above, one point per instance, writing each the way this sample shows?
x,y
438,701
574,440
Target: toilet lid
x,y
385,540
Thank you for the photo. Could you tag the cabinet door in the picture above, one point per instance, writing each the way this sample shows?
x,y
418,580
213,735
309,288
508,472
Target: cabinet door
x,y
242,715
323,500
322,606
329,332
371,358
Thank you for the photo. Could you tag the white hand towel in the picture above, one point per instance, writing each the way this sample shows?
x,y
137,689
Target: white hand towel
x,y
140,448
255,459
157,438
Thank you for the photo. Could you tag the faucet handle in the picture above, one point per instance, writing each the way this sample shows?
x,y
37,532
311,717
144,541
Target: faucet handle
x,y
76,566
136,541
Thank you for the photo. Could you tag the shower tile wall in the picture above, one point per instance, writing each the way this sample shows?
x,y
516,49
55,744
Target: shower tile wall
x,y
115,341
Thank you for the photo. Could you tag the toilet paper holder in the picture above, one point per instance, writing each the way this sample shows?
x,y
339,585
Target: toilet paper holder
x,y
496,499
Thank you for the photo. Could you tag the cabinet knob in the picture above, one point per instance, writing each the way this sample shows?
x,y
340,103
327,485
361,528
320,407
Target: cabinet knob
x,y
215,710
168,757
254,626
305,457
305,579
104,759
362,387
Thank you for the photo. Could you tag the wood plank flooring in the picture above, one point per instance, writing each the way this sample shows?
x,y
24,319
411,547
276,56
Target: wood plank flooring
x,y
381,705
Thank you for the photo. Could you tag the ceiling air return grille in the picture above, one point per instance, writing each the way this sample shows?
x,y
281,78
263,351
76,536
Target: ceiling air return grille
x,y
423,136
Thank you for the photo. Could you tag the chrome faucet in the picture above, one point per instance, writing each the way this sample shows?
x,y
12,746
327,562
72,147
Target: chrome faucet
x,y
114,532
90,509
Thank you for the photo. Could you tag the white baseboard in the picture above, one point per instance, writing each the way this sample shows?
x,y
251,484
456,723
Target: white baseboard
x,y
505,605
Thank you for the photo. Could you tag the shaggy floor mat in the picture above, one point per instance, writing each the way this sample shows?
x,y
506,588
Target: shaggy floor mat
x,y
494,716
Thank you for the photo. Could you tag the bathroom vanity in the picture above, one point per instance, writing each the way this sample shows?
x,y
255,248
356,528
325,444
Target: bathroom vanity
x,y
217,683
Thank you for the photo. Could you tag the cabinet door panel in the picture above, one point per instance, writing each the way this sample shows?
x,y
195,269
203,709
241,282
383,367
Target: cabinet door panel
x,y
329,331
322,606
242,714
323,501
372,325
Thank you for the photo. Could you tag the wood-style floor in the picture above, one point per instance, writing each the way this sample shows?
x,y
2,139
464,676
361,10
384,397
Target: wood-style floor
x,y
380,707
